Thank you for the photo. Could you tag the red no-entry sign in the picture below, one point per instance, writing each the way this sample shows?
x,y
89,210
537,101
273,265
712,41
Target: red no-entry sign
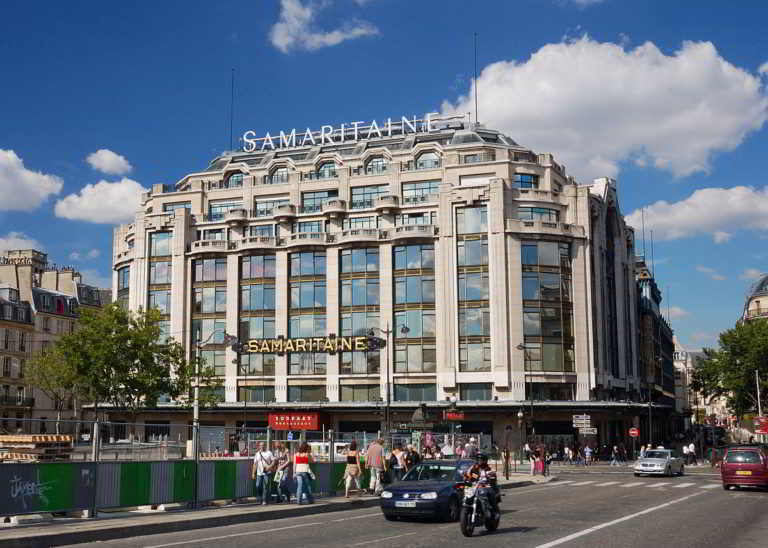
x,y
634,432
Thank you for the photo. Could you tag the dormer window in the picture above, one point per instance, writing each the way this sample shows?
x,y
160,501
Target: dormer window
x,y
376,166
326,170
235,180
428,160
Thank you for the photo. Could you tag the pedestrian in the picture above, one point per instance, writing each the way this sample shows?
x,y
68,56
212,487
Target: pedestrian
x,y
304,474
412,458
686,455
587,456
692,453
529,457
264,464
447,449
642,451
374,462
397,462
352,471
470,449
615,456
547,462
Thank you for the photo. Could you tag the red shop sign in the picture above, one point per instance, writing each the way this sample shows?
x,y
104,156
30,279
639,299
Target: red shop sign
x,y
292,420
453,415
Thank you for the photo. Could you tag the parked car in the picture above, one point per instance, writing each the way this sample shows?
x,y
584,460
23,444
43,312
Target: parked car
x,y
660,461
431,489
744,465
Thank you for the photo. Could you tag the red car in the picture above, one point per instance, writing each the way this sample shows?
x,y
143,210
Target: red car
x,y
744,465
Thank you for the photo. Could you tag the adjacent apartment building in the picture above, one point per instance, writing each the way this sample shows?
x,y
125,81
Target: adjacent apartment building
x,y
498,282
38,303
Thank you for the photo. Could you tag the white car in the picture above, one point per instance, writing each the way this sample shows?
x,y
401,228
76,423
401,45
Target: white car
x,y
660,461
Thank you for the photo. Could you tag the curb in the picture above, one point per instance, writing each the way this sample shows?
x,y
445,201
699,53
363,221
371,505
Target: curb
x,y
185,521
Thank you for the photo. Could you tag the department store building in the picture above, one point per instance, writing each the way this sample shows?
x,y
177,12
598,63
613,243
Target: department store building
x,y
498,282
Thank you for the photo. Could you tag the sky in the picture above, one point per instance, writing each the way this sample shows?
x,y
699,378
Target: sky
x,y
99,100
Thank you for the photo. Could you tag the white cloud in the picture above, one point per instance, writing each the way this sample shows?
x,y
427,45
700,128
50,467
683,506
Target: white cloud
x,y
23,189
676,312
711,272
763,69
94,277
75,256
711,211
19,240
583,3
93,253
295,30
750,274
596,105
109,162
103,202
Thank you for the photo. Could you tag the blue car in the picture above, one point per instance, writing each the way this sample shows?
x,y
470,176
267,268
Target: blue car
x,y
432,489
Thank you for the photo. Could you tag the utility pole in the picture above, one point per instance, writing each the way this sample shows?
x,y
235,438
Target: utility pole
x,y
759,405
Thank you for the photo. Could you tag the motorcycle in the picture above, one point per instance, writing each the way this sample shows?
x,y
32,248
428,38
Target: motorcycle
x,y
473,510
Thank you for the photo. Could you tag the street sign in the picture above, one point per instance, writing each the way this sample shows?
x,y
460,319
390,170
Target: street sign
x,y
577,424
634,432
588,431
453,415
581,417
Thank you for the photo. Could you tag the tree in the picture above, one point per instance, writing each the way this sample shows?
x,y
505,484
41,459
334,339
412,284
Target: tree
x,y
54,377
122,359
729,371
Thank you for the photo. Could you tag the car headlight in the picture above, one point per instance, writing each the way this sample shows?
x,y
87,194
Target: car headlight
x,y
429,496
386,494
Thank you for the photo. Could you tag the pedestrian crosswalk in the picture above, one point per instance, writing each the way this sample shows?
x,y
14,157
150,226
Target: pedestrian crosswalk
x,y
638,484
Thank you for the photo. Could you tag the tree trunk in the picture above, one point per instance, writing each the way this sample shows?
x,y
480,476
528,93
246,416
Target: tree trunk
x,y
58,419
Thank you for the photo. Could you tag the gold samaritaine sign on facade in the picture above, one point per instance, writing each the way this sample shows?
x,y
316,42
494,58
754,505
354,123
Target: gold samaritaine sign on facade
x,y
309,344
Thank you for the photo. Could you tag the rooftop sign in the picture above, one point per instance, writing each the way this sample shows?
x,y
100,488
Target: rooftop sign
x,y
346,133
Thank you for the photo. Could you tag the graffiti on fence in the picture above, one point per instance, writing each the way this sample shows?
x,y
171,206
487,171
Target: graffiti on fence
x,y
21,489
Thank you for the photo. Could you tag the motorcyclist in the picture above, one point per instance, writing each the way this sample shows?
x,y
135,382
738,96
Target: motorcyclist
x,y
487,486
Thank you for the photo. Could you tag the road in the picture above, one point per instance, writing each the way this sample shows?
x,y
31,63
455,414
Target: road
x,y
583,508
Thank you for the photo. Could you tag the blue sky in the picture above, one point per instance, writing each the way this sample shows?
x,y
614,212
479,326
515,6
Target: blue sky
x,y
99,99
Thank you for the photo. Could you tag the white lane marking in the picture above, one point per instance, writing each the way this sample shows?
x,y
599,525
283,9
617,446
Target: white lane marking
x,y
681,485
662,484
358,517
200,540
635,484
713,486
582,483
606,484
381,539
568,538
566,482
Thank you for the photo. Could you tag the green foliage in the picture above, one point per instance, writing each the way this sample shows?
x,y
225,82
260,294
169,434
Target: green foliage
x,y
119,359
54,376
729,371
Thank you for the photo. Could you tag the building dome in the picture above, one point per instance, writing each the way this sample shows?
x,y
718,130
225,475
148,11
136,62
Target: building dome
x,y
753,308
759,288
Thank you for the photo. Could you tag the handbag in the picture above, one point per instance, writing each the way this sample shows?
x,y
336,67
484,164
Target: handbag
x,y
311,474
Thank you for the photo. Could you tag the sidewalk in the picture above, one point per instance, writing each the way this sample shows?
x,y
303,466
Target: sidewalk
x,y
64,531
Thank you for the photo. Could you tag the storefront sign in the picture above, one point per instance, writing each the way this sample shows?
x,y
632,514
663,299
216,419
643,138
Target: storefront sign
x,y
453,415
634,432
761,425
297,421
308,344
345,133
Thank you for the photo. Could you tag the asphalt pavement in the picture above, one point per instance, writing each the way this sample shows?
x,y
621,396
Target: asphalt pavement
x,y
606,508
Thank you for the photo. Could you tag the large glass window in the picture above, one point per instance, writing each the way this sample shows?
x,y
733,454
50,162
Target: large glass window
x,y
160,300
538,214
359,392
264,231
476,391
473,252
418,256
202,330
525,180
418,323
414,289
475,356
415,392
428,160
354,223
257,297
422,218
308,294
306,393
419,192
307,363
160,272
235,180
475,321
360,292
359,323
218,209
326,170
208,300
123,278
256,393
167,208
415,358
363,196
313,201
376,166
160,244
214,359
256,364
309,226
258,327
307,263
209,270
264,208
359,363
257,266
359,260
473,286
278,175
472,220
306,325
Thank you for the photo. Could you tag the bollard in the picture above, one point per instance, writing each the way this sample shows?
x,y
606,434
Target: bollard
x,y
332,458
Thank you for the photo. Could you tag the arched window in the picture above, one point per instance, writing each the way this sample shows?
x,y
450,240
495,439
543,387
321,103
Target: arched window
x,y
428,160
278,175
235,180
326,170
376,165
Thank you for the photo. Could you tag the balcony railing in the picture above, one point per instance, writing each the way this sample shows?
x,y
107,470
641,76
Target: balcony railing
x,y
478,158
276,179
378,169
360,204
757,313
420,198
320,175
311,209
419,165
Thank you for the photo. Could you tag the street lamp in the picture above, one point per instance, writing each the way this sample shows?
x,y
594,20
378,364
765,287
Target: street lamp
x,y
520,427
387,332
521,347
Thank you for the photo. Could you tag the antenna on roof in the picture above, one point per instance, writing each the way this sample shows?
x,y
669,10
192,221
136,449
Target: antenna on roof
x,y
477,121
231,107
653,264
642,217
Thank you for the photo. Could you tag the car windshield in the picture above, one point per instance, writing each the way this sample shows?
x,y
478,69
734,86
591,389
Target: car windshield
x,y
749,457
657,455
433,472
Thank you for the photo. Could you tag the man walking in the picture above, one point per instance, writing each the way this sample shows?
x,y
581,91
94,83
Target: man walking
x,y
264,464
692,453
686,455
374,462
